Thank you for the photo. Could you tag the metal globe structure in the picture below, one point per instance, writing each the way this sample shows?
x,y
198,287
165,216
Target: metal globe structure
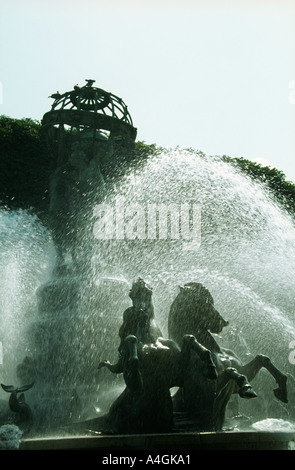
x,y
88,116
85,130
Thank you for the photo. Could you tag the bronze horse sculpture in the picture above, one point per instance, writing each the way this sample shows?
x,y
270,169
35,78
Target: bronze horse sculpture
x,y
193,312
151,366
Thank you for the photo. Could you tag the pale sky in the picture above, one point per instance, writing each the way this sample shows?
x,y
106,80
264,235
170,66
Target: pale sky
x,y
214,75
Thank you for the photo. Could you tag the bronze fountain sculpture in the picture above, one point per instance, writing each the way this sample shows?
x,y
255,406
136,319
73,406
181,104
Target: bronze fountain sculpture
x,y
151,365
193,311
83,128
207,375
85,131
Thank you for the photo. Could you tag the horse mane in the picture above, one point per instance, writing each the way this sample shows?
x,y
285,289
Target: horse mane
x,y
183,316
201,290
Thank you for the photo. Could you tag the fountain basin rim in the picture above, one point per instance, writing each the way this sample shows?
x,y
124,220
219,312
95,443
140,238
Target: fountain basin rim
x,y
173,442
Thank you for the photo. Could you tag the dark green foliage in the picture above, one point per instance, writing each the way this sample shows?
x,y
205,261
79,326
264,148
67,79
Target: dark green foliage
x,y
143,150
24,165
273,179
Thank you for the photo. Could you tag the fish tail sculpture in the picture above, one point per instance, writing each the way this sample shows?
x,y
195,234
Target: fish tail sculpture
x,y
18,404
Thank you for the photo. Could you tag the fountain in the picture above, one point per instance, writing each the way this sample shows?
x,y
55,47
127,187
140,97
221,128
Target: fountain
x,y
181,217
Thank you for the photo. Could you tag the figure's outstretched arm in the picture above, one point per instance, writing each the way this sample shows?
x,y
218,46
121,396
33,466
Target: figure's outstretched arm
x,y
115,368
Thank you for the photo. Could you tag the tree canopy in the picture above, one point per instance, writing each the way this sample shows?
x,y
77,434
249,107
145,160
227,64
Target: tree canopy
x,y
273,179
24,165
